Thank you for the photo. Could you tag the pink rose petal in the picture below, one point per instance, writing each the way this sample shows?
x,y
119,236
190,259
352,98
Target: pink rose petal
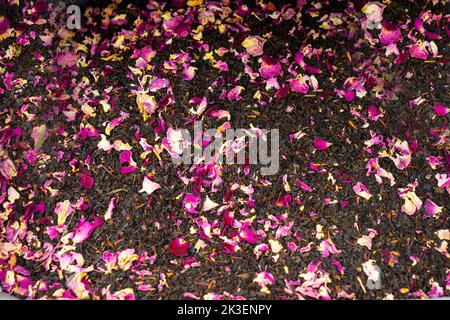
x,y
361,190
179,247
441,110
149,186
321,144
431,209
254,45
86,180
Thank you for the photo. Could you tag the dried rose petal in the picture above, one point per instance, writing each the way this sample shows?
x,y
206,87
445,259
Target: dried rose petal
x,y
270,68
361,190
374,113
321,144
148,186
84,229
431,209
179,247
254,45
86,180
4,24
441,110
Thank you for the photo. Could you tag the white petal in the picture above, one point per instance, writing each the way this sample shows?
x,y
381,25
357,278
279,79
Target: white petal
x,y
149,186
209,204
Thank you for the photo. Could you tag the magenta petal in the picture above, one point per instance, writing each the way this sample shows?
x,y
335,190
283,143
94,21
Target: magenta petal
x,y
390,35
321,144
349,96
179,247
270,68
298,85
338,265
441,110
303,185
361,190
83,230
4,24
431,208
190,202
86,180
248,235
419,51
228,218
127,169
374,113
